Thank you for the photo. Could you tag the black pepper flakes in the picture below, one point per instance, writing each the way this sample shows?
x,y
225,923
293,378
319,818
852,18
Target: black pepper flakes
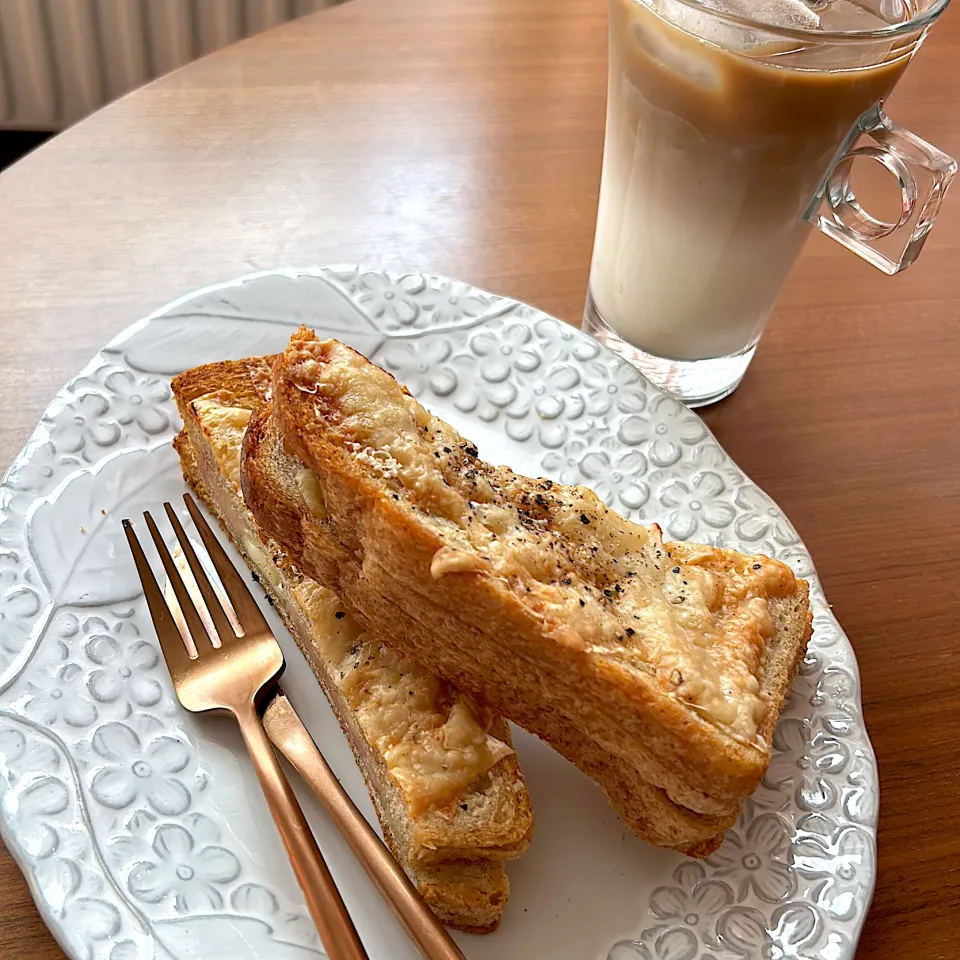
x,y
584,518
583,603
339,614
464,806
471,451
608,593
630,631
675,570
756,566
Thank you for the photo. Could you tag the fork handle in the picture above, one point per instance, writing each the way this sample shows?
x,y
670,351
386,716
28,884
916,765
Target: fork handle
x,y
336,929
293,740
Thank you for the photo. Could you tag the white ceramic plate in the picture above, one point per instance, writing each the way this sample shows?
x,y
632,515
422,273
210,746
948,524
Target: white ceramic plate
x,y
140,827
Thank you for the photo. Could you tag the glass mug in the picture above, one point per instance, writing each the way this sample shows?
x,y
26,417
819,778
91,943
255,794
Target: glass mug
x,y
725,137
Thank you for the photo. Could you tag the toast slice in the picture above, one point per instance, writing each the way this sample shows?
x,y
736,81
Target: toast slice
x,y
582,627
279,487
449,831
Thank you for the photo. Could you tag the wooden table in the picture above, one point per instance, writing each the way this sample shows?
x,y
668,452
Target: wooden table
x,y
465,138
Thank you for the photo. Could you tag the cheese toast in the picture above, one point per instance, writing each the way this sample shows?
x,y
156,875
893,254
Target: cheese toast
x,y
440,770
279,487
588,630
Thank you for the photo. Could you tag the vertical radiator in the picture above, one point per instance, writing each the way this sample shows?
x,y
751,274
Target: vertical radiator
x,y
61,59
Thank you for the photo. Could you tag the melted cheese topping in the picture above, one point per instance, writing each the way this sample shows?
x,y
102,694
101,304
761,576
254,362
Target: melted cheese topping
x,y
223,428
387,441
312,495
695,618
427,733
429,736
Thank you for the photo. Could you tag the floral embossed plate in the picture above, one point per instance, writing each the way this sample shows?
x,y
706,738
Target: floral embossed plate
x,y
140,827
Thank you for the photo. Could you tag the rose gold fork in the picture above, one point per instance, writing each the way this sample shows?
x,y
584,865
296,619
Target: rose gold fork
x,y
232,677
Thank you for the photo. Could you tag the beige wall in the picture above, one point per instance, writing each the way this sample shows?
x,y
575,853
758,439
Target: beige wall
x,y
61,59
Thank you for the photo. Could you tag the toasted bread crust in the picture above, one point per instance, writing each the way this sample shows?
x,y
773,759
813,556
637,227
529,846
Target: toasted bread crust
x,y
477,632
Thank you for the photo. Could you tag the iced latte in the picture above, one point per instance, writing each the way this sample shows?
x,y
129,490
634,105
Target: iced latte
x,y
718,135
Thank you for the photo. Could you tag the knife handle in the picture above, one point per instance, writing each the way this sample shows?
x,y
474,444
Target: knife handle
x,y
288,734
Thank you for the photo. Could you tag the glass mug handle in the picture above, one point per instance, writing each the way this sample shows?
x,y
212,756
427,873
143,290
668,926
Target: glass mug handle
x,y
922,172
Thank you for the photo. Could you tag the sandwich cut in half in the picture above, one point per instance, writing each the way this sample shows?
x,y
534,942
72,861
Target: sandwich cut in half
x,y
659,669
439,766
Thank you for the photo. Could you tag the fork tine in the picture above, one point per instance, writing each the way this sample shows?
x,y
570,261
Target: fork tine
x,y
187,607
212,602
248,613
171,643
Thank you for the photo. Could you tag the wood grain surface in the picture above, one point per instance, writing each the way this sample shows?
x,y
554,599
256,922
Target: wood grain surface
x,y
464,138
